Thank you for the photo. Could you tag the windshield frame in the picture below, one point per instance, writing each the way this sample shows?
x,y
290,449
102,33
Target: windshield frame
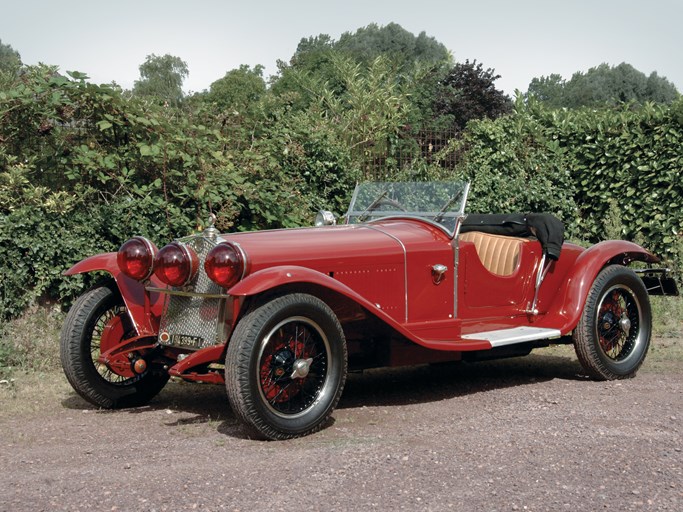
x,y
440,203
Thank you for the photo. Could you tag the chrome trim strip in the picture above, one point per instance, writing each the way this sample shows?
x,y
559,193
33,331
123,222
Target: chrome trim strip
x,y
456,263
193,271
182,293
153,251
456,249
405,262
245,259
652,270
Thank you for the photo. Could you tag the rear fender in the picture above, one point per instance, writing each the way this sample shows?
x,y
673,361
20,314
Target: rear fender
x,y
571,297
145,318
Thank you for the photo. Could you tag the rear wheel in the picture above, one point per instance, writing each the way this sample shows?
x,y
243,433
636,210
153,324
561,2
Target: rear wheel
x,y
98,321
286,366
613,334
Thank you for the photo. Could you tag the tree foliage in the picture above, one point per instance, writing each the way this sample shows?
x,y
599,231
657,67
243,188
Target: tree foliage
x,y
10,60
405,53
239,90
579,164
82,161
603,85
84,166
161,78
395,43
466,92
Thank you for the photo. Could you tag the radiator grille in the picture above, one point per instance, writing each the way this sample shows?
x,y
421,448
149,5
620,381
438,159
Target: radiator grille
x,y
194,322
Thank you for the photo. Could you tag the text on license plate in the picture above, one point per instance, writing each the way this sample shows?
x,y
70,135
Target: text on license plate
x,y
182,340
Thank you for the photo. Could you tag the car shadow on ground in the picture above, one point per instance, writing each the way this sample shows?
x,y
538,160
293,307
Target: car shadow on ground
x,y
429,383
384,387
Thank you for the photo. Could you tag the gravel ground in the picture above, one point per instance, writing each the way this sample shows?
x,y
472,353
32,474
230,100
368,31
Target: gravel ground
x,y
525,434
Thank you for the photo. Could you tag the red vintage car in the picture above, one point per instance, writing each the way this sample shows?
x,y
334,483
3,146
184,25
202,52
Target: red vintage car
x,y
280,316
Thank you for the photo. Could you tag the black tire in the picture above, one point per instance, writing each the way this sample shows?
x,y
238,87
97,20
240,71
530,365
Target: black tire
x,y
613,334
80,347
286,366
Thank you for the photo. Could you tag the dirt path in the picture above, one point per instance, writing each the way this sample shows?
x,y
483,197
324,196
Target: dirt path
x,y
528,434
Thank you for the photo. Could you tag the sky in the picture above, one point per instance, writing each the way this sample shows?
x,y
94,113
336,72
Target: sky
x,y
519,39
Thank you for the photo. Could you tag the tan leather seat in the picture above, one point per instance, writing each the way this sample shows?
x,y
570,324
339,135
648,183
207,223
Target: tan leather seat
x,y
499,254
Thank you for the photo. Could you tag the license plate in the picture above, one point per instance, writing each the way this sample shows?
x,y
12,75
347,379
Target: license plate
x,y
184,340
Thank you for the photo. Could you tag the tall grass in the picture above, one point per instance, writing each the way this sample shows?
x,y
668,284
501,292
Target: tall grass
x,y
667,313
31,342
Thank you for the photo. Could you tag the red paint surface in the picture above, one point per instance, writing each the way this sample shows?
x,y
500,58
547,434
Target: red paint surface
x,y
145,319
382,265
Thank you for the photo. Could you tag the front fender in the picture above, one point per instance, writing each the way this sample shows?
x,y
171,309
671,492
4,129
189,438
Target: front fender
x,y
273,277
571,297
145,319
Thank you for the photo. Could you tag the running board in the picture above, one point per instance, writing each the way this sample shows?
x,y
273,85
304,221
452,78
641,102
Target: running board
x,y
515,335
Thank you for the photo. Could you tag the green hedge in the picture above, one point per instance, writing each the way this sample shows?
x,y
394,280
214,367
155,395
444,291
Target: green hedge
x,y
605,173
84,167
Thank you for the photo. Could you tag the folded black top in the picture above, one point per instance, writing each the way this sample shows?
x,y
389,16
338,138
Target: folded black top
x,y
547,228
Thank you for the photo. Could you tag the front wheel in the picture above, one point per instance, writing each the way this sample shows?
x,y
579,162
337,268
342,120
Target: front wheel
x,y
97,322
286,366
613,334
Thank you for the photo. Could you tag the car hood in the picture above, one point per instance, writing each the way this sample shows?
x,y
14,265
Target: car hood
x,y
331,247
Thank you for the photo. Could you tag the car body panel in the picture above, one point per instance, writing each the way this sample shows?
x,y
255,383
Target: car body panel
x,y
414,276
573,289
396,284
144,308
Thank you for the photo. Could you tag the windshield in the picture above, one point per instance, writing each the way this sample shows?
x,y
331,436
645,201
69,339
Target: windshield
x,y
439,202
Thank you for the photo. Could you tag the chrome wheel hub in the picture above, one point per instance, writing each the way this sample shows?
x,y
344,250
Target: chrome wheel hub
x,y
301,367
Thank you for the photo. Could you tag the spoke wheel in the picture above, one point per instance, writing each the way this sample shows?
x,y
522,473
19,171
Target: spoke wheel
x,y
286,366
292,369
613,334
109,330
618,321
98,321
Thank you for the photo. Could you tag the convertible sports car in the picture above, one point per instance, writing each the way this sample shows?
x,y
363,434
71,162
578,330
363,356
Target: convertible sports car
x,y
407,278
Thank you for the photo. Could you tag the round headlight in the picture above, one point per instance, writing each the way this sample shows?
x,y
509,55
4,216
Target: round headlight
x,y
136,258
224,265
176,264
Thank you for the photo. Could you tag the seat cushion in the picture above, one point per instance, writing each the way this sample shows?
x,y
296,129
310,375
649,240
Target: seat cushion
x,y
499,254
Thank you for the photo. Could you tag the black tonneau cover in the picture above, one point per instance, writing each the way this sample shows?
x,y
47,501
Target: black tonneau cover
x,y
548,229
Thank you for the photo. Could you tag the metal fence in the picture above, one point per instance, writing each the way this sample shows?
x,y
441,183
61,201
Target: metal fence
x,y
405,153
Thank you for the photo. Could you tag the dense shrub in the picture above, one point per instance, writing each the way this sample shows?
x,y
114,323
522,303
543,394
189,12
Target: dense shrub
x,y
586,166
83,167
631,158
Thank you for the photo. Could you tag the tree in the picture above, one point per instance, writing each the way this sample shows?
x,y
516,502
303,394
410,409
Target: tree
x,y
660,90
10,60
548,89
603,85
9,57
393,42
162,77
239,90
313,52
466,92
315,63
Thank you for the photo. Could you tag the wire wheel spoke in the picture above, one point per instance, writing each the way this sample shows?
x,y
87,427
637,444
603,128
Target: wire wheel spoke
x,y
104,337
618,323
293,366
